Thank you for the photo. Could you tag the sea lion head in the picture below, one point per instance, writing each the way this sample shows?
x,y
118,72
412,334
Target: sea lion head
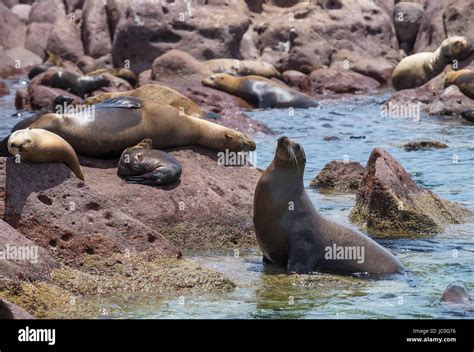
x,y
238,141
290,154
222,81
456,293
21,142
456,47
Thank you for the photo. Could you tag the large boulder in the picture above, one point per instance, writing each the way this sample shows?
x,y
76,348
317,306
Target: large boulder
x,y
47,11
9,310
4,90
178,65
59,212
209,208
328,80
23,59
12,29
339,175
149,29
22,11
65,39
95,29
37,35
7,65
407,18
389,202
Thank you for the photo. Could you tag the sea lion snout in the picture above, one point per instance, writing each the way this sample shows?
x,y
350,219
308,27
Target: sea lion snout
x,y
289,150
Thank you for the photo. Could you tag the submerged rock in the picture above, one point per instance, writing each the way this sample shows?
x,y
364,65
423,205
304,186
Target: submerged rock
x,y
389,202
339,175
456,293
425,144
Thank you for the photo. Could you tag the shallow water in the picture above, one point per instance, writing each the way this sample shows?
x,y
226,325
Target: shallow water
x,y
433,262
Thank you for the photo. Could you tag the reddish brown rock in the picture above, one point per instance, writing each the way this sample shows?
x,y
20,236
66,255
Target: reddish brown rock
x,y
424,144
47,11
22,99
9,310
7,65
65,40
12,29
210,208
86,64
340,176
178,65
95,30
21,258
22,11
23,59
42,97
4,90
326,80
72,5
37,37
407,18
61,213
294,78
390,203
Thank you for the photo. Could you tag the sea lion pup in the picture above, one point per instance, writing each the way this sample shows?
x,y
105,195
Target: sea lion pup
x,y
41,146
415,70
242,67
457,294
260,91
106,129
157,94
123,73
143,164
464,79
294,236
78,85
52,59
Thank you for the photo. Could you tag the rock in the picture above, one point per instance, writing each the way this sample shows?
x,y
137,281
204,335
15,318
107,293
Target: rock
x,y
331,138
210,208
22,99
390,203
59,212
65,40
451,102
407,18
116,84
22,259
37,37
10,311
24,59
22,11
379,69
148,31
47,11
42,97
431,32
326,80
294,78
12,29
72,5
4,90
95,30
86,64
457,18
421,145
340,176
7,65
178,65
104,61
306,34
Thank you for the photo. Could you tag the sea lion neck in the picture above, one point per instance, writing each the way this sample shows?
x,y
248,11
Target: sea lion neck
x,y
438,61
296,172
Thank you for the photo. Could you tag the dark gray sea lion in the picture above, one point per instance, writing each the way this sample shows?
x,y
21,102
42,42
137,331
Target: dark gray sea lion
x,y
143,164
294,236
108,128
78,85
260,91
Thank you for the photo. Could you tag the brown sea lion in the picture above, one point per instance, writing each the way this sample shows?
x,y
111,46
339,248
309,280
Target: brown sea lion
x,y
415,70
108,128
294,236
123,73
260,91
464,79
41,146
242,67
157,94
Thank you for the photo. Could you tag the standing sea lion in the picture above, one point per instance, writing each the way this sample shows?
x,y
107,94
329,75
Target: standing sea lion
x,y
157,94
260,91
242,67
464,79
106,129
78,85
415,70
293,235
143,164
41,146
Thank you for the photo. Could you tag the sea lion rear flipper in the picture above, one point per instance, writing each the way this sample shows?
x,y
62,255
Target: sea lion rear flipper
x,y
126,102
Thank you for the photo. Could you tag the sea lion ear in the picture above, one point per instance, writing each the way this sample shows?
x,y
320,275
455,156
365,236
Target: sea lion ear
x,y
228,135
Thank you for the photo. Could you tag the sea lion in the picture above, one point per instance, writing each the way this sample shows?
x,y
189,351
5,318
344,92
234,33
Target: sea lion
x,y
143,164
108,128
41,146
464,79
457,294
260,91
123,73
52,59
294,236
78,85
158,94
415,70
242,67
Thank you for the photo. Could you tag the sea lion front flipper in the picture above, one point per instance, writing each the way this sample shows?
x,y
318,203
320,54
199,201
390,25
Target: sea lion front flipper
x,y
301,256
126,102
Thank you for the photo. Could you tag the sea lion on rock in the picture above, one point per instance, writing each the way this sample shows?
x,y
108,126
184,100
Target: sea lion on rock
x,y
157,94
260,91
415,70
108,128
242,67
294,236
143,164
78,85
464,79
41,146
123,73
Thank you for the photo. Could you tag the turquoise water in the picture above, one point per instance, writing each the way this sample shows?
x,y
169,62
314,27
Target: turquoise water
x,y
432,262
